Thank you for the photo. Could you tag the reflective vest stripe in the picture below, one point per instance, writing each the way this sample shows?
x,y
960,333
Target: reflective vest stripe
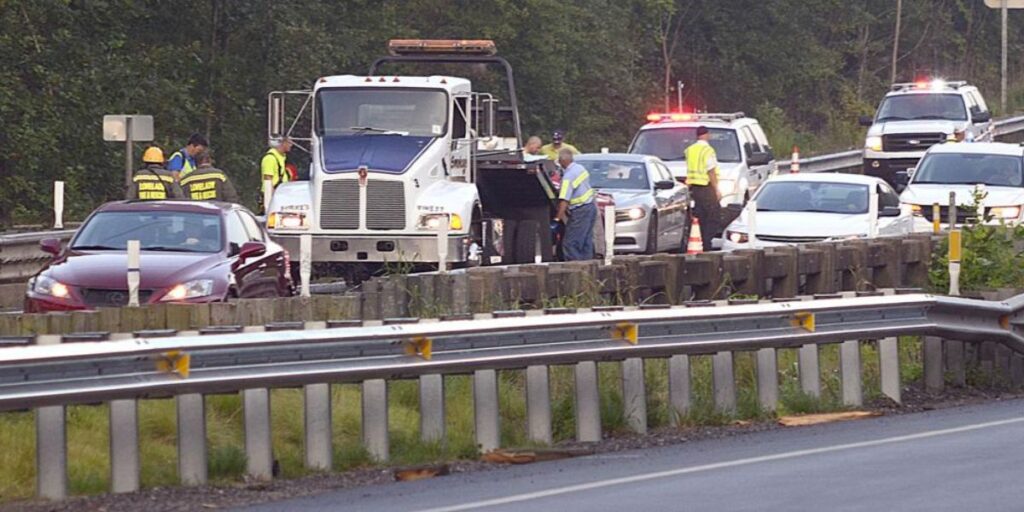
x,y
150,177
204,176
583,198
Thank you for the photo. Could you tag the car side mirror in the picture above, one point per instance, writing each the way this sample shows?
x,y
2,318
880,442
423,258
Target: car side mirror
x,y
50,246
865,121
251,250
759,158
664,185
980,117
889,211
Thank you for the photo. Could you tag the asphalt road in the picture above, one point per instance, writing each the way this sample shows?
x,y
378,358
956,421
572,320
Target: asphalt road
x,y
968,458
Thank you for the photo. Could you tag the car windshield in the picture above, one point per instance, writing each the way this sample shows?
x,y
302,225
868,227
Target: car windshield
x,y
355,111
812,196
907,107
969,169
669,144
155,230
606,174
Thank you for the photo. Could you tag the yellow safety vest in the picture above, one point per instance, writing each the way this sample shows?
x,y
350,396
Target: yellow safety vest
x,y
580,190
272,167
186,164
697,163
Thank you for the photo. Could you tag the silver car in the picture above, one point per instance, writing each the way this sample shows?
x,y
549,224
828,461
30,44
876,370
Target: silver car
x,y
651,208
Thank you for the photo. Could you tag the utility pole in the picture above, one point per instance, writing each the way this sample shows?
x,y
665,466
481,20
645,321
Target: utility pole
x,y
679,94
896,40
1002,94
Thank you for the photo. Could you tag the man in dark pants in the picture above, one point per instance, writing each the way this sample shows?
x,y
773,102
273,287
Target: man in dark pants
x,y
702,179
576,209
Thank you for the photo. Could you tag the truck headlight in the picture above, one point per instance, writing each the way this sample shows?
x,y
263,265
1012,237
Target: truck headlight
x,y
873,143
736,237
434,221
287,220
916,209
189,290
48,286
1006,212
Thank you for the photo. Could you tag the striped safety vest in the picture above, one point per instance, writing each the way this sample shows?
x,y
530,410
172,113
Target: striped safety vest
x,y
576,186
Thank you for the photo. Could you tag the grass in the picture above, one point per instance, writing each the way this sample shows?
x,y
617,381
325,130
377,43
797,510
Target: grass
x,y
88,437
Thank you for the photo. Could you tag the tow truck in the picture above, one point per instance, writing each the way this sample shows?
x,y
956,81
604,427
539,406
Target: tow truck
x,y
400,162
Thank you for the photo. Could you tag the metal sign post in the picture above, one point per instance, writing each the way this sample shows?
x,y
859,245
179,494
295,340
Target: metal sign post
x,y
442,244
305,262
1004,6
609,234
873,212
58,205
134,276
751,224
128,129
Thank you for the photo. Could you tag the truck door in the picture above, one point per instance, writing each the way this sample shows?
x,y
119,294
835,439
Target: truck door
x,y
756,173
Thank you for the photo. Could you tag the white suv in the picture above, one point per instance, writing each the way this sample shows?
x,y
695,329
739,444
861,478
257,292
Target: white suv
x,y
915,116
744,156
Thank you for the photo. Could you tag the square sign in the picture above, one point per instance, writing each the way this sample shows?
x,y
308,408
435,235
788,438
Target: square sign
x,y
1010,4
114,128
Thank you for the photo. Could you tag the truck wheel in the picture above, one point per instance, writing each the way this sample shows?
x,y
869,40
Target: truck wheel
x,y
527,233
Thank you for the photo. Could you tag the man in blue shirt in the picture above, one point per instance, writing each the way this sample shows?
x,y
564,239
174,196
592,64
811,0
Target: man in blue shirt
x,y
183,161
576,208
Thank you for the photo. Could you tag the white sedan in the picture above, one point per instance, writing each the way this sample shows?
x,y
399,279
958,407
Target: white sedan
x,y
801,208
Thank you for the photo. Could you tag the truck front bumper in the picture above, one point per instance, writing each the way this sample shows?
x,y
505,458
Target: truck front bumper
x,y
377,248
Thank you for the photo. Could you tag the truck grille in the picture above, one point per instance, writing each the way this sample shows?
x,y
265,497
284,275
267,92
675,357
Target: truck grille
x,y
790,239
97,297
911,141
385,205
339,204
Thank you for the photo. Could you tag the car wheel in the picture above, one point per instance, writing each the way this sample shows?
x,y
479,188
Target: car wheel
x,y
652,234
687,225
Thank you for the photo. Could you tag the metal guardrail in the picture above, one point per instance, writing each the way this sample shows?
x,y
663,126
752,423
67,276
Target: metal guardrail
x,y
844,160
20,256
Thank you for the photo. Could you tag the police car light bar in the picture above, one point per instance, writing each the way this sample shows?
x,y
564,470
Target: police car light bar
x,y
441,46
934,85
657,117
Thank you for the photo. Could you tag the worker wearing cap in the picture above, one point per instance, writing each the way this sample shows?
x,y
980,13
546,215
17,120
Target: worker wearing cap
x,y
702,180
557,144
576,209
153,182
208,183
273,167
183,161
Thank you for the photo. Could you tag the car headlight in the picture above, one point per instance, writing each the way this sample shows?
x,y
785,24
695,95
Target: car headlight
x,y
48,286
630,214
736,237
434,221
287,220
190,290
1006,212
873,143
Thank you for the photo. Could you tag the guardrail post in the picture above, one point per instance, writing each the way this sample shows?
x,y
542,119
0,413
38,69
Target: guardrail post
x,y
258,448
485,410
889,368
810,376
51,444
124,446
678,388
375,419
191,409
724,382
849,360
1002,361
317,418
432,407
634,394
955,362
767,379
1016,370
933,378
588,403
538,404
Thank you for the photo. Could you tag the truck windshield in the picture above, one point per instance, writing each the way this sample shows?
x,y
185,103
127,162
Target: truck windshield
x,y
908,107
812,196
670,143
970,169
367,111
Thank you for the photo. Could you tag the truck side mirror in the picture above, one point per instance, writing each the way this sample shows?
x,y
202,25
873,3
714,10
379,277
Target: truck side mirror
x,y
488,113
889,211
980,117
865,121
759,158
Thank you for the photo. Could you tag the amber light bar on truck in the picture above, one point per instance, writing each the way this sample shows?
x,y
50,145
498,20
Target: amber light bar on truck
x,y
658,117
442,46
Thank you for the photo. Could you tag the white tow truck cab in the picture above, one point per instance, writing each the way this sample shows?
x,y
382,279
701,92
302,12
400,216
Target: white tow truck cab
x,y
745,158
914,116
395,159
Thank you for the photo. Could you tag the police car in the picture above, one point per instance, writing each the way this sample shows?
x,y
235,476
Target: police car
x,y
915,116
744,156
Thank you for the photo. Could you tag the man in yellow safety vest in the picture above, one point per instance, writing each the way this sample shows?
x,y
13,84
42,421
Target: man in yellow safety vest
x,y
272,167
702,180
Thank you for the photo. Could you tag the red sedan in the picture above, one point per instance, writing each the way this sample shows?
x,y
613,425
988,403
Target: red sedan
x,y
190,252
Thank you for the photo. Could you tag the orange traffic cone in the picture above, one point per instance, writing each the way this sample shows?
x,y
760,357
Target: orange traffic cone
x,y
695,245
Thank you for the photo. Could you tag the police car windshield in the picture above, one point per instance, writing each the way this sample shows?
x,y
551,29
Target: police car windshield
x,y
908,107
155,231
373,111
970,169
670,144
812,196
617,175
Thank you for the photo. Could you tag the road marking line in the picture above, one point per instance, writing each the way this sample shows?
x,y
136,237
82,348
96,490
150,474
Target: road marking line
x,y
517,498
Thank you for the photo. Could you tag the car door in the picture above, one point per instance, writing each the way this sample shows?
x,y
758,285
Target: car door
x,y
981,131
272,265
675,208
